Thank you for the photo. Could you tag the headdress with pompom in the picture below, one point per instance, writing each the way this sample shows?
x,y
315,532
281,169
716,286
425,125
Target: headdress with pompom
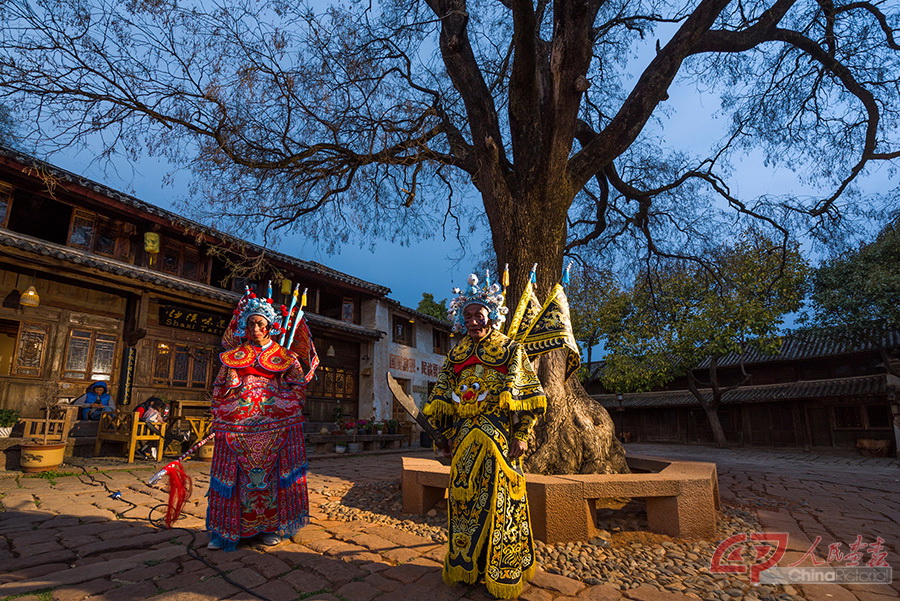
x,y
489,296
253,304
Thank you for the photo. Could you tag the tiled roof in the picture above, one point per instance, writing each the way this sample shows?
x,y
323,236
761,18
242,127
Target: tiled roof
x,y
444,323
187,224
155,278
112,266
876,385
795,346
319,321
801,345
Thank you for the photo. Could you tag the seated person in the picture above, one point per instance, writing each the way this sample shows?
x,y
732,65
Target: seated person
x,y
155,411
96,401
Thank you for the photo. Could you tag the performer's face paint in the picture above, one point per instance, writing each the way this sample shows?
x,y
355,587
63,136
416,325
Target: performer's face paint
x,y
257,329
477,323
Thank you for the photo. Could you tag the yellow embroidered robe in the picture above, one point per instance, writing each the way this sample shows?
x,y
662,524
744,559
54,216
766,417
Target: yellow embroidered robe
x,y
487,393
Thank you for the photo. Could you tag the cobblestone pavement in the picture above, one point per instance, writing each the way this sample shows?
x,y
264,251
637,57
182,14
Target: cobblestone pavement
x,y
65,539
808,495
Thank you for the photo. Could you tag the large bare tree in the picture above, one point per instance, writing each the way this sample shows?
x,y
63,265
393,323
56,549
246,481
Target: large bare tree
x,y
364,119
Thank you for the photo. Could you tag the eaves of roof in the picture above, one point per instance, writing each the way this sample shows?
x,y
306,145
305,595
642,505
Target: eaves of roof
x,y
187,224
444,323
864,386
142,275
319,321
42,248
799,346
794,347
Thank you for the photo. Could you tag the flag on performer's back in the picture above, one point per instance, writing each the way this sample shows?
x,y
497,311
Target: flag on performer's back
x,y
551,329
527,309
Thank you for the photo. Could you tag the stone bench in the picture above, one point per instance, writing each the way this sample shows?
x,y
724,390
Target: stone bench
x,y
682,496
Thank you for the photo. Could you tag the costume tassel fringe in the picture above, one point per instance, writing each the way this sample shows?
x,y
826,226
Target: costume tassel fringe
x,y
469,409
290,479
455,574
223,490
530,404
180,486
509,591
440,408
223,543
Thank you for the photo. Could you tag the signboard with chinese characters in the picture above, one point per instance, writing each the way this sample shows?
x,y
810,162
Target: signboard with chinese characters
x,y
402,363
431,369
197,321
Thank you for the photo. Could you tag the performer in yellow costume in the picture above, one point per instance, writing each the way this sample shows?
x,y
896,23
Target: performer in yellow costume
x,y
485,402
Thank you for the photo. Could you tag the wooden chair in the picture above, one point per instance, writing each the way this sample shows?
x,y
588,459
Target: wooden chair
x,y
199,426
53,428
126,427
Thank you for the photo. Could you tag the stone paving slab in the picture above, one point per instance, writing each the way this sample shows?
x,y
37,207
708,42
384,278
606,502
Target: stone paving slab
x,y
65,539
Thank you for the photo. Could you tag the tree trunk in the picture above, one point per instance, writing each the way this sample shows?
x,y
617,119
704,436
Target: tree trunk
x,y
710,407
712,414
576,436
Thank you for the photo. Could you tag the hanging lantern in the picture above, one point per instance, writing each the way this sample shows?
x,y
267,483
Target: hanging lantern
x,y
151,246
285,286
30,298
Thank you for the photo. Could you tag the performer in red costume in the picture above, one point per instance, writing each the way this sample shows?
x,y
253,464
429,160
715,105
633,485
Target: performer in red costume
x,y
258,474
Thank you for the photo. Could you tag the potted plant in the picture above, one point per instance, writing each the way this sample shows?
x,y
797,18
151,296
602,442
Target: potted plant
x,y
337,415
8,419
391,426
379,428
46,451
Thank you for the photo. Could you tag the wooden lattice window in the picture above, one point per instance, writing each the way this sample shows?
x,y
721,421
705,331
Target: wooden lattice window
x,y
333,383
93,233
105,237
81,233
441,340
89,355
31,349
183,366
403,330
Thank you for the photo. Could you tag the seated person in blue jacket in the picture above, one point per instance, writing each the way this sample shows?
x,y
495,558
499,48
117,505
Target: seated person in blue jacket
x,y
96,401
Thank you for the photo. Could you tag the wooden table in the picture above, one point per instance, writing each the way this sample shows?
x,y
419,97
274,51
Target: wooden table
x,y
189,407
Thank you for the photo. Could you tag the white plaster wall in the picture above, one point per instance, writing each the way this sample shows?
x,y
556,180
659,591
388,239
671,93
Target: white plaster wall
x,y
408,361
368,408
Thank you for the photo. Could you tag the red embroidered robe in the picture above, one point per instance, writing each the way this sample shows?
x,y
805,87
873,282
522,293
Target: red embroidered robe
x,y
258,474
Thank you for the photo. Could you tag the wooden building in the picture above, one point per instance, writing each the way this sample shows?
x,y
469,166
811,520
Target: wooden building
x,y
816,394
130,293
